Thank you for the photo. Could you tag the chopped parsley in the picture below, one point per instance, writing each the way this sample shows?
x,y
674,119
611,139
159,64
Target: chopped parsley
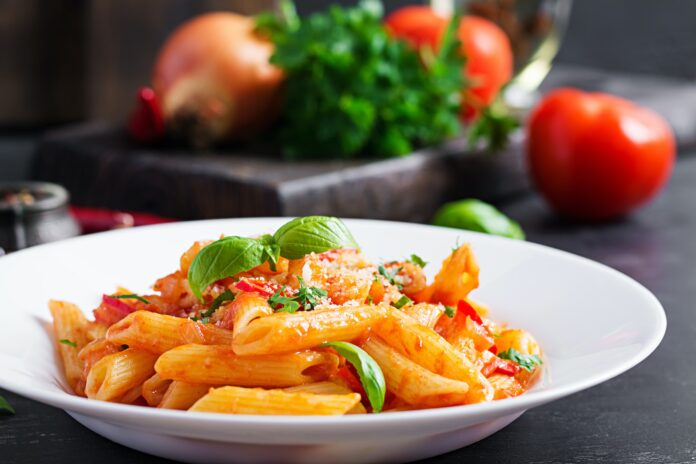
x,y
307,298
450,311
526,361
390,276
401,302
283,304
130,296
417,260
219,300
65,341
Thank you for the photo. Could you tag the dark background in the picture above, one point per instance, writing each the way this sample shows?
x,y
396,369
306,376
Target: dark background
x,y
63,61
647,415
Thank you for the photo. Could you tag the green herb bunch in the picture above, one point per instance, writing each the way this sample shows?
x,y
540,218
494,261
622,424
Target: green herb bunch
x,y
351,89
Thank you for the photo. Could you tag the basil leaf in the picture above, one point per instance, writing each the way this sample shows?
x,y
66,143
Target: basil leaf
x,y
271,250
368,370
130,296
5,406
477,216
526,361
65,341
224,258
312,234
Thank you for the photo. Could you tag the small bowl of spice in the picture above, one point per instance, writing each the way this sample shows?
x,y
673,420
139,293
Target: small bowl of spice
x,y
32,213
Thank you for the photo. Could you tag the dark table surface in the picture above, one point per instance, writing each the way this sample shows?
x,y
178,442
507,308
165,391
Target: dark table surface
x,y
647,415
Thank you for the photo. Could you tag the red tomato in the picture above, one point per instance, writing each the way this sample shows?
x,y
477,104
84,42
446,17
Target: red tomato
x,y
595,156
489,62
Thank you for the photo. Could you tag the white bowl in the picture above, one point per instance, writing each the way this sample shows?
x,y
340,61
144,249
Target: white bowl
x,y
592,322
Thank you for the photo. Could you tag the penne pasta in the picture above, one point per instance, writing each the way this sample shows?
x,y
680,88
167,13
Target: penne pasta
x,y
457,277
114,375
248,308
327,388
412,383
93,352
429,350
426,314
132,395
158,333
71,329
505,386
219,365
238,400
154,389
182,395
283,332
282,335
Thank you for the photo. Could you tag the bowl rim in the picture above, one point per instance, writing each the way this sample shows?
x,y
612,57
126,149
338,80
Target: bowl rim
x,y
532,398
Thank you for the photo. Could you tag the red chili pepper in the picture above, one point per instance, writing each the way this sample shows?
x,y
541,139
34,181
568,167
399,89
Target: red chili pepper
x,y
469,310
493,349
262,287
146,122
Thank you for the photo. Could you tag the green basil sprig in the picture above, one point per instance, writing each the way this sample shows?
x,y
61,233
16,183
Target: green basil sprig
x,y
297,238
370,373
308,234
478,216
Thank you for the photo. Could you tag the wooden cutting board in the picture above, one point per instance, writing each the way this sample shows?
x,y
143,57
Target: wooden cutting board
x,y
100,167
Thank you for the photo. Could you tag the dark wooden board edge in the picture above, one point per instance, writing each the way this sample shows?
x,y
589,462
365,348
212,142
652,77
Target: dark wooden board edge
x,y
101,168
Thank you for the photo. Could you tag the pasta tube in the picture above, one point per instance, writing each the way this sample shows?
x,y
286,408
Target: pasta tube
x,y
158,333
327,388
114,375
70,326
237,400
154,389
219,365
182,395
412,383
429,350
426,314
283,332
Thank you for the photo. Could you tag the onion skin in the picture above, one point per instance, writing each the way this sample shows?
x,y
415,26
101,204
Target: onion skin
x,y
214,79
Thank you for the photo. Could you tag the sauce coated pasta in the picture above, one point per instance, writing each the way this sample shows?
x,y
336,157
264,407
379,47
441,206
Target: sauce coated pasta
x,y
292,325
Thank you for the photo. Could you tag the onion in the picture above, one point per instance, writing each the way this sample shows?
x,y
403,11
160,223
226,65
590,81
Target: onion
x,y
214,80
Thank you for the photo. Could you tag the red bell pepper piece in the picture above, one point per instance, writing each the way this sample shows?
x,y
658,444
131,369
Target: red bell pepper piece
x,y
260,286
500,366
112,310
506,367
464,307
146,122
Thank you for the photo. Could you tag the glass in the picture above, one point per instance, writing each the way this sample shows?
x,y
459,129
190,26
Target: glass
x,y
535,29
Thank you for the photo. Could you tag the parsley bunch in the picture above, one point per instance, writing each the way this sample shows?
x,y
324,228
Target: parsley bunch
x,y
352,90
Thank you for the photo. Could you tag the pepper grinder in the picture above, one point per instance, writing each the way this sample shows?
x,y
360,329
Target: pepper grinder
x,y
32,213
